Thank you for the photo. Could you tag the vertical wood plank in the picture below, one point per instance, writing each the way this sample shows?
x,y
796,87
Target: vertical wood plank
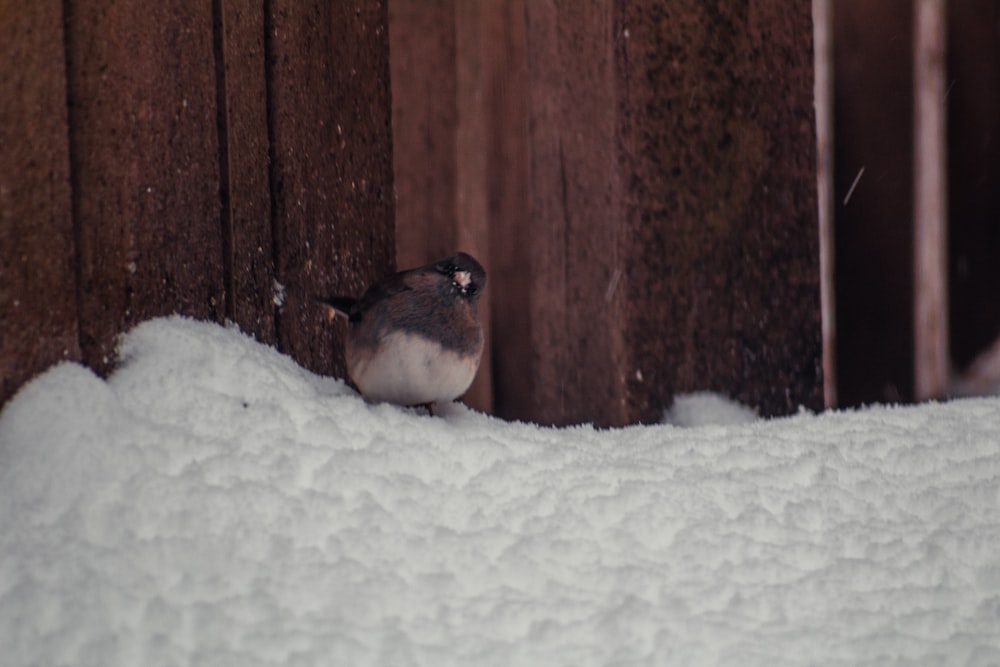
x,y
576,254
931,365
144,155
873,113
973,115
508,182
331,163
823,57
672,242
243,167
424,128
439,154
586,284
471,157
719,163
38,310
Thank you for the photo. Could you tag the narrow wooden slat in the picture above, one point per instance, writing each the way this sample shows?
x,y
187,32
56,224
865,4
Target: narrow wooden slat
x,y
505,113
331,164
144,153
38,310
243,158
672,236
823,58
719,161
439,153
873,165
472,205
972,96
931,362
576,254
424,128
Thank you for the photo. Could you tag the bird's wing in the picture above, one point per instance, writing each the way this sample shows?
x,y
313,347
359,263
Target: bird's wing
x,y
354,309
393,285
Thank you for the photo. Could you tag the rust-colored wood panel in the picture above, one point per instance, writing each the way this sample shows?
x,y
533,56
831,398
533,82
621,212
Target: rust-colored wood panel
x,y
243,144
472,215
673,198
973,96
505,113
424,128
823,57
720,254
873,208
439,156
144,155
331,163
38,311
578,258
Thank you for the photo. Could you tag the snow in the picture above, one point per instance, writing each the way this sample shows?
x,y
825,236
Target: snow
x,y
214,503
707,409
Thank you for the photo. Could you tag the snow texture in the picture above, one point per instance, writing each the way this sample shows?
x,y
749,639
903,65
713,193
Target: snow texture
x,y
707,409
213,503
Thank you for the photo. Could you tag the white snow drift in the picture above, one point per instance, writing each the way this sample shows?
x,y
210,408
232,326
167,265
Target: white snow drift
x,y
213,503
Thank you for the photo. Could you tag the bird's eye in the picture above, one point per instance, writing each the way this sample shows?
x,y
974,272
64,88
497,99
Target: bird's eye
x,y
446,268
470,290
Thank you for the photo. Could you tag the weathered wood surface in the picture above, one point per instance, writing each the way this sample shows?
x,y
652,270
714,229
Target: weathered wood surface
x,y
650,196
638,178
424,128
973,96
192,158
672,188
38,298
719,155
144,151
437,63
248,260
331,164
579,293
504,106
873,113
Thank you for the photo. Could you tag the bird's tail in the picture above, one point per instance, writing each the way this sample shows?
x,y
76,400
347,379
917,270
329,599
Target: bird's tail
x,y
335,306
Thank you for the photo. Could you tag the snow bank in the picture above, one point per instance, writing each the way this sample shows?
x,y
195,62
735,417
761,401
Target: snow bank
x,y
213,503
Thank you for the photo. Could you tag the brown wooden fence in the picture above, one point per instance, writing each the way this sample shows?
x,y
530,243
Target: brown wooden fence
x,y
190,157
638,177
879,73
641,178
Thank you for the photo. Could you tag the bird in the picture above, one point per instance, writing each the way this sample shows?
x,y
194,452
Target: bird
x,y
414,339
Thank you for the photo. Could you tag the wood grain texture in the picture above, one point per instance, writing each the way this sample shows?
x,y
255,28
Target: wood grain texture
x,y
144,154
576,250
508,183
823,57
424,128
719,165
472,231
439,151
873,114
38,308
673,242
930,204
331,164
973,98
243,167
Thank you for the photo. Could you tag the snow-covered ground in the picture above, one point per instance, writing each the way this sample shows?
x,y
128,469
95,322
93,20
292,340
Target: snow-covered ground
x,y
212,503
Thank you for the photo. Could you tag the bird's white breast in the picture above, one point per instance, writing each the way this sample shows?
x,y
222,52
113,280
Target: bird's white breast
x,y
408,369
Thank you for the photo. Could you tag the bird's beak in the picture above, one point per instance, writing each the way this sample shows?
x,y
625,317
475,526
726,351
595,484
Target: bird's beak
x,y
463,278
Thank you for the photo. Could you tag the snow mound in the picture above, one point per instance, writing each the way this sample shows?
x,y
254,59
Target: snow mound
x,y
707,409
214,503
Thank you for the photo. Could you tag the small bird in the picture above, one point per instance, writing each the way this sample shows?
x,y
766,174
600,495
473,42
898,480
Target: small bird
x,y
415,338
